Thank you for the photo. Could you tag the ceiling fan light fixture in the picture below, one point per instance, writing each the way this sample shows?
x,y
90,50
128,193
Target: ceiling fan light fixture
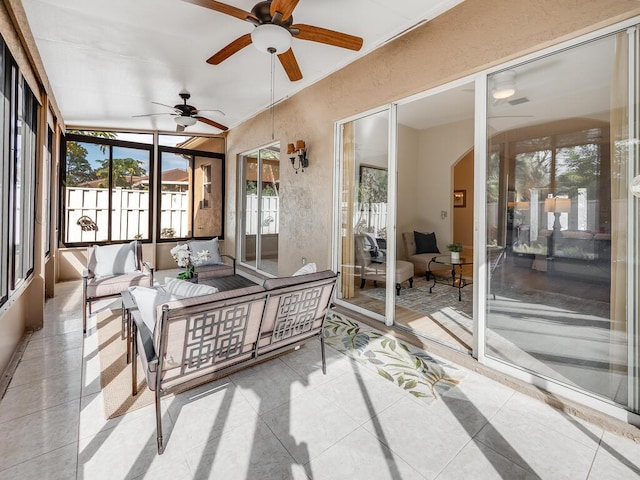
x,y
270,37
504,85
185,121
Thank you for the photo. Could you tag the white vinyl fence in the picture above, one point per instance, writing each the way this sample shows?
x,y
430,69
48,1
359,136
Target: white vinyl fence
x,y
129,214
270,215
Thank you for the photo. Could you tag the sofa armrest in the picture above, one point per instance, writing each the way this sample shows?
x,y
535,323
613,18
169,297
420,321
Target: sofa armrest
x,y
233,260
151,269
146,340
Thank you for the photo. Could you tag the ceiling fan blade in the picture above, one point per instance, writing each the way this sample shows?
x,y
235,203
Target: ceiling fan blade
x,y
215,110
151,114
290,65
234,47
208,121
168,106
224,8
285,7
330,37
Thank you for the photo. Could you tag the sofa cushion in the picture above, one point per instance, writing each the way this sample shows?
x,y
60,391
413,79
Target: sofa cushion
x,y
212,246
308,268
273,283
115,259
426,243
114,284
148,300
182,288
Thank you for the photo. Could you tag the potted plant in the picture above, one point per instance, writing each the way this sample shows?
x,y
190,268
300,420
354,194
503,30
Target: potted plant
x,y
455,249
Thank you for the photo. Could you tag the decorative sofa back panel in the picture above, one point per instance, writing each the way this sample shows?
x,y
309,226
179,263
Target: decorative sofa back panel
x,y
202,339
296,311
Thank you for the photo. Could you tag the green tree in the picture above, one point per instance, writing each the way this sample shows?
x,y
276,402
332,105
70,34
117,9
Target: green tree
x,y
95,133
78,168
579,167
123,171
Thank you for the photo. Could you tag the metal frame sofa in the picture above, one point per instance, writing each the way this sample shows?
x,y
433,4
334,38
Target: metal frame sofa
x,y
199,339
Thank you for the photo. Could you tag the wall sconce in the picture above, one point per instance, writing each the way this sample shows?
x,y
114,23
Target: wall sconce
x,y
299,152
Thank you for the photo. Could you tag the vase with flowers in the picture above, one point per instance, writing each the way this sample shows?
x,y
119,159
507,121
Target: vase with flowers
x,y
455,249
186,259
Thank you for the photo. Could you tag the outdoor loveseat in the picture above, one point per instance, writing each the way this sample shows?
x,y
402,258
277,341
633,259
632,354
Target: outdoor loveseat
x,y
199,339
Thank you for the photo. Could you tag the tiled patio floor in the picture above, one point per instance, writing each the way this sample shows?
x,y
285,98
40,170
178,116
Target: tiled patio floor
x,y
284,419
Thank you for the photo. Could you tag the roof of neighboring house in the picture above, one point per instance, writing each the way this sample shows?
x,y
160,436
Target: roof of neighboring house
x,y
175,175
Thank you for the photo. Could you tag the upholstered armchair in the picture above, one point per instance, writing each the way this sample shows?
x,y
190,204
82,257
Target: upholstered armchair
x,y
372,263
419,260
110,270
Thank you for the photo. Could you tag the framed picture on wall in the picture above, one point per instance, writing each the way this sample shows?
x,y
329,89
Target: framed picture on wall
x,y
373,185
459,198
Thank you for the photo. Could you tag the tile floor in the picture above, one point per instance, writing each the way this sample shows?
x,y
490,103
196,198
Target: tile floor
x,y
284,419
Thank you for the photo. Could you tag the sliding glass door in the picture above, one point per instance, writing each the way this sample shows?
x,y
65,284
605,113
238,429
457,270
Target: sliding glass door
x,y
364,214
260,209
561,303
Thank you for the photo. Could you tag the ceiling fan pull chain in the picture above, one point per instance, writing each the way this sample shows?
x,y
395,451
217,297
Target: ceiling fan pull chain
x,y
273,79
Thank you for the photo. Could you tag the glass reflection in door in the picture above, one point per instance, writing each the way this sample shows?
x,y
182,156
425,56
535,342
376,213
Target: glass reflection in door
x,y
557,205
363,213
261,209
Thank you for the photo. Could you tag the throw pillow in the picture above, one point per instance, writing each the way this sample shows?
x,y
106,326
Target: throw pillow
x,y
183,289
115,259
308,268
209,245
426,242
147,300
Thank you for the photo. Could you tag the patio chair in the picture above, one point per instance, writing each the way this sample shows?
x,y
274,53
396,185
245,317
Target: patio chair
x,y
110,270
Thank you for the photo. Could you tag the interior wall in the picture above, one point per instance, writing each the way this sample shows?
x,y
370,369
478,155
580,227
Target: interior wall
x,y
439,149
468,38
463,216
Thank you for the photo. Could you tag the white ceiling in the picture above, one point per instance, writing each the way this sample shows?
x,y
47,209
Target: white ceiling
x,y
108,60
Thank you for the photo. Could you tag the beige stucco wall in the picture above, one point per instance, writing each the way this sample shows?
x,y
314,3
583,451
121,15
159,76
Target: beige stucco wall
x,y
471,37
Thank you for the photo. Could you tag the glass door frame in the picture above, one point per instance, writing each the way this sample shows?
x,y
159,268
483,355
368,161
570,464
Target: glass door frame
x,y
241,207
391,209
480,288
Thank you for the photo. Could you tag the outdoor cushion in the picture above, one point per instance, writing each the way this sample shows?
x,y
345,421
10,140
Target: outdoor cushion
x,y
113,285
115,259
211,246
147,301
184,289
308,268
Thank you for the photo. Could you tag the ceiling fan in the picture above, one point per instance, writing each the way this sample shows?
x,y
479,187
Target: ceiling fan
x,y
274,31
187,115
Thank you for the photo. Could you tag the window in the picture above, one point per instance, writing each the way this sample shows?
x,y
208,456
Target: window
x,y
5,155
191,186
106,189
17,176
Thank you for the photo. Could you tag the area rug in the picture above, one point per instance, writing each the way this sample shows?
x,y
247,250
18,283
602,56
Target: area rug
x,y
115,372
422,375
442,304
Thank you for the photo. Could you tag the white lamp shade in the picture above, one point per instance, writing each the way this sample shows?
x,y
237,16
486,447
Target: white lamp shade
x,y
269,36
504,85
185,121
